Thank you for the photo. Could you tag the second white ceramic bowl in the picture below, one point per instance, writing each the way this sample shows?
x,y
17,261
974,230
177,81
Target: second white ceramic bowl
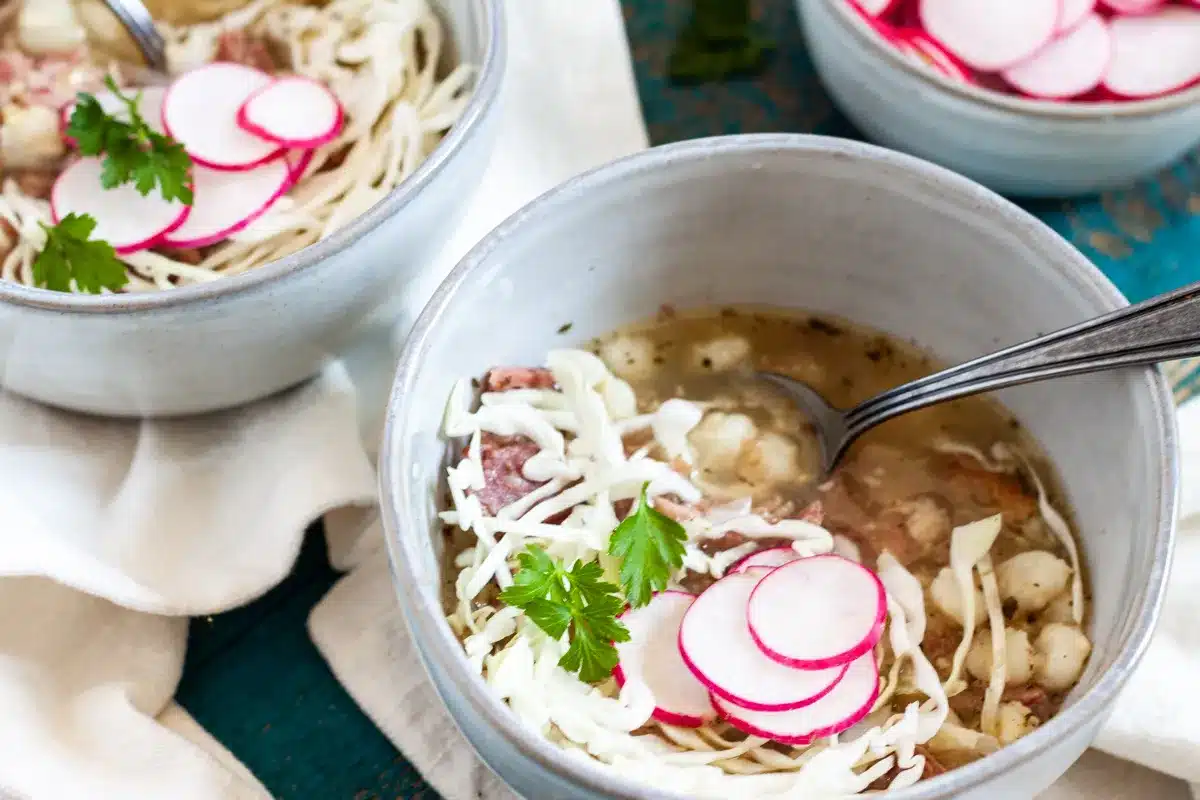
x,y
809,223
1013,145
219,344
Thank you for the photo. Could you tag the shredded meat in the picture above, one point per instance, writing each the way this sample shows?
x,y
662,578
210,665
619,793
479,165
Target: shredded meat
x,y
1033,697
35,183
503,458
933,767
502,379
241,47
1001,491
968,704
942,636
191,255
733,539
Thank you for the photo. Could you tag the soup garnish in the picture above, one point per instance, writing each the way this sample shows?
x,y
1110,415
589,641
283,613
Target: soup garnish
x,y
644,572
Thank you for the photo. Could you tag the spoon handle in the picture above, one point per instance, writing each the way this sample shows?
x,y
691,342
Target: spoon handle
x,y
1163,328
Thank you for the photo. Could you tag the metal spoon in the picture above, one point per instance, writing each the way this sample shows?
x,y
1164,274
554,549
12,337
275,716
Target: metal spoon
x,y
1164,328
140,24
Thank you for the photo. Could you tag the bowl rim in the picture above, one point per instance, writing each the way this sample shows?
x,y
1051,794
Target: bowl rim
x,y
441,652
1055,110
487,13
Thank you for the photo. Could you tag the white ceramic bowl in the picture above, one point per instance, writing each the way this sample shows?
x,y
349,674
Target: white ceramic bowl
x,y
219,344
812,223
1011,144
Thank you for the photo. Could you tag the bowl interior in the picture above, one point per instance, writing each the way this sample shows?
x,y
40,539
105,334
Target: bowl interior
x,y
808,223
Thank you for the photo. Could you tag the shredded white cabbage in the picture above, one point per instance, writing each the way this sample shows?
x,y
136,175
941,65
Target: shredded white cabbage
x,y
999,672
968,544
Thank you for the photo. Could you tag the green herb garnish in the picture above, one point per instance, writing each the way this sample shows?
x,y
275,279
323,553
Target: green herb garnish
x,y
69,255
133,152
650,546
577,601
719,41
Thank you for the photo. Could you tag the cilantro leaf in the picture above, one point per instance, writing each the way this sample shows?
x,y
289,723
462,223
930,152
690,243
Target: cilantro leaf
x,y
70,255
650,546
577,602
133,152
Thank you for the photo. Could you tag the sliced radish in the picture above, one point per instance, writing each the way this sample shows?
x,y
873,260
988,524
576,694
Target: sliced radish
x,y
124,218
293,111
842,607
990,35
927,50
1133,6
770,558
200,112
716,646
149,107
850,701
298,161
1071,65
651,658
225,202
1154,54
1073,13
876,8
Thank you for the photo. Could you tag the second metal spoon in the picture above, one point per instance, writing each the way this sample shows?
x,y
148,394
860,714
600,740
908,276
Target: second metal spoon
x,y
1164,328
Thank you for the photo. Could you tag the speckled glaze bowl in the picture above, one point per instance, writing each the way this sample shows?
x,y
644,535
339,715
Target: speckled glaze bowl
x,y
1011,144
237,339
811,223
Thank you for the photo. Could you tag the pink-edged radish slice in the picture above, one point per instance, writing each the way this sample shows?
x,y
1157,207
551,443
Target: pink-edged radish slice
x,y
293,111
875,8
200,112
149,107
849,701
716,646
922,48
1073,13
769,559
298,161
1154,54
224,202
1071,65
817,613
124,218
990,35
651,658
1133,6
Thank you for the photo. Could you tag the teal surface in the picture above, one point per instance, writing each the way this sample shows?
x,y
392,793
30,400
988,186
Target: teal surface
x,y
255,680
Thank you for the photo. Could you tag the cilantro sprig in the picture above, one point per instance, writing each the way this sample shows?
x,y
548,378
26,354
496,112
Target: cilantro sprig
x,y
133,151
71,255
719,41
577,601
650,546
